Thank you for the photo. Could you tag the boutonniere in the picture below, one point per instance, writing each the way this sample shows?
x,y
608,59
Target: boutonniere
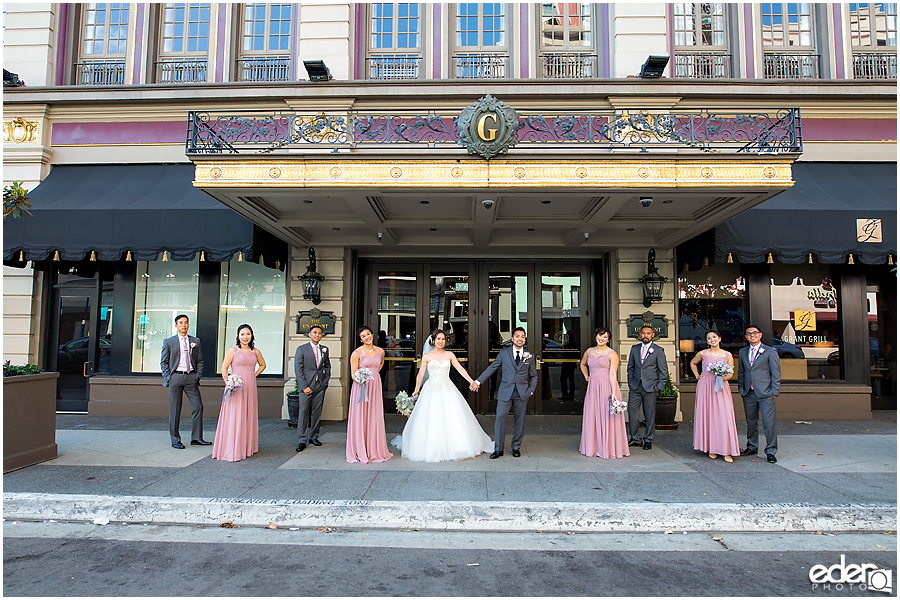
x,y
649,350
193,344
324,349
527,355
761,350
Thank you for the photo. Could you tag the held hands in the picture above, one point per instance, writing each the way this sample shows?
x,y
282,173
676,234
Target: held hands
x,y
474,386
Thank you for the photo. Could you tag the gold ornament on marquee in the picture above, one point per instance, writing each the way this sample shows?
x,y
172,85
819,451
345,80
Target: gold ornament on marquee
x,y
706,172
769,172
396,172
274,172
581,172
20,131
519,172
335,172
456,172
215,172
643,172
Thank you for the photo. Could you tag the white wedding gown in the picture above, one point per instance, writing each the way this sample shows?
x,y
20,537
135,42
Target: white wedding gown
x,y
442,426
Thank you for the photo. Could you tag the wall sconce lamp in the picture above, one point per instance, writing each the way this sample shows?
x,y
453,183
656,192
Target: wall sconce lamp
x,y
311,280
317,70
652,281
653,67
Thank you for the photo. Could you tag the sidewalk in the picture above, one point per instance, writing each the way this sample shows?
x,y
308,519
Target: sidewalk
x,y
830,476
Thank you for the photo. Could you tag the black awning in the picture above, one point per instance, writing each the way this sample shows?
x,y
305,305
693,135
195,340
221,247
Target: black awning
x,y
146,209
819,216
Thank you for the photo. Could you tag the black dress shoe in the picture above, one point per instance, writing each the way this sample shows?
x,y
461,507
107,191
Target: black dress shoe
x,y
497,454
648,445
315,442
748,452
635,443
200,443
516,454
771,458
292,425
178,445
301,447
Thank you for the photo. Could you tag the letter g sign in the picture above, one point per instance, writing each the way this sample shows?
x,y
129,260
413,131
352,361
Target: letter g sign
x,y
487,127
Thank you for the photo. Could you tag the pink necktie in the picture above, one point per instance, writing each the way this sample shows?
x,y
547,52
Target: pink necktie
x,y
187,354
753,352
316,350
644,352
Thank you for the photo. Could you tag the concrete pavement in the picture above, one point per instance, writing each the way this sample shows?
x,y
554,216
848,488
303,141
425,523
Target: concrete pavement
x,y
830,476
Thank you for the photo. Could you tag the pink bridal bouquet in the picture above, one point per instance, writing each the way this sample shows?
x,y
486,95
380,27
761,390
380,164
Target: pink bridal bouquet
x,y
232,383
361,376
720,369
617,406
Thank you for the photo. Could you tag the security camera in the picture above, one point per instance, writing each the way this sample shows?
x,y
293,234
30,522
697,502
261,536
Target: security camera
x,y
646,201
488,203
587,234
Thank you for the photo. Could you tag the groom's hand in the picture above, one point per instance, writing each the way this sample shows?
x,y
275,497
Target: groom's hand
x,y
474,386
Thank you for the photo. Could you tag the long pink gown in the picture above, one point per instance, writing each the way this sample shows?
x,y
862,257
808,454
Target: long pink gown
x,y
602,434
366,439
237,432
714,428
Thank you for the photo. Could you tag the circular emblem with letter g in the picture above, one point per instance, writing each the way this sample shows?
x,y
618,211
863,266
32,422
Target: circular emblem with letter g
x,y
487,127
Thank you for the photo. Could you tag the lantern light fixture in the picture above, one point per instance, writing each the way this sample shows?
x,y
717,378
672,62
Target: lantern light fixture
x,y
311,280
652,281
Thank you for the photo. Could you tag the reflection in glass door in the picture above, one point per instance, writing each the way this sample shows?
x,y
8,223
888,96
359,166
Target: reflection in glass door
x,y
449,310
395,332
561,384
507,309
76,348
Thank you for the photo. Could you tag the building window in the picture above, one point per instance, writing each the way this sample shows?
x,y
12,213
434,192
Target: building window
x,y
700,40
873,38
480,44
266,43
163,290
252,294
184,43
567,41
788,41
395,37
711,299
805,326
103,44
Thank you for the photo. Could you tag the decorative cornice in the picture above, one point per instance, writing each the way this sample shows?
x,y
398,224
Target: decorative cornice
x,y
21,131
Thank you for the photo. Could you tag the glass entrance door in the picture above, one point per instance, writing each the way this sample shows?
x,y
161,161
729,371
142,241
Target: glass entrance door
x,y
396,326
448,300
507,295
76,347
562,384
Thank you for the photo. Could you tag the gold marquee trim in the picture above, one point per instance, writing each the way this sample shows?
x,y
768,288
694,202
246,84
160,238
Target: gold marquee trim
x,y
769,173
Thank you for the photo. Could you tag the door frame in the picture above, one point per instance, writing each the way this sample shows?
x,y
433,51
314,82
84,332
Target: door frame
x,y
60,291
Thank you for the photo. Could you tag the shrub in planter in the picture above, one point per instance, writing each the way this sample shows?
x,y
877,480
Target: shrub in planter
x,y
666,406
29,416
293,400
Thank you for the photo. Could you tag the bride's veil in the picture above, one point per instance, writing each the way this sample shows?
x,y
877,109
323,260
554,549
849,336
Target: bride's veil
x,y
426,348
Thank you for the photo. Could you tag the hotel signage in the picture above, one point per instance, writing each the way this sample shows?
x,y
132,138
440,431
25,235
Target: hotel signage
x,y
307,318
659,323
488,127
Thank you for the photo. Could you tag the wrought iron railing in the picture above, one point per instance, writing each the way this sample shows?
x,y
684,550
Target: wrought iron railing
x,y
722,130
181,71
481,66
264,68
567,65
102,72
702,65
791,65
874,65
394,66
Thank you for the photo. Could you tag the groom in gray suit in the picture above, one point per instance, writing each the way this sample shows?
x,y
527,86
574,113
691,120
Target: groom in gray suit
x,y
759,381
313,370
647,373
181,363
518,381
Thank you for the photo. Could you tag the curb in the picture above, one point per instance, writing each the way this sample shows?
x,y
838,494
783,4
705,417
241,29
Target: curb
x,y
456,516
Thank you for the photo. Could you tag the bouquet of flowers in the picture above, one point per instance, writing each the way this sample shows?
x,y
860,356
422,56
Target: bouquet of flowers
x,y
405,404
361,376
720,369
232,382
617,406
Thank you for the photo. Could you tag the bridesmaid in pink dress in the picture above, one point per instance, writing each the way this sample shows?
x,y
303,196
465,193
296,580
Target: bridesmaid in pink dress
x,y
602,434
237,432
366,438
714,428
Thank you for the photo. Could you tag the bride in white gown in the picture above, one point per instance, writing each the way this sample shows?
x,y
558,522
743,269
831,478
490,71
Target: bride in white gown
x,y
441,426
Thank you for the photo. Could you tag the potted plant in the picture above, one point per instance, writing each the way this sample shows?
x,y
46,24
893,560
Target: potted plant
x,y
667,405
29,416
293,400
15,201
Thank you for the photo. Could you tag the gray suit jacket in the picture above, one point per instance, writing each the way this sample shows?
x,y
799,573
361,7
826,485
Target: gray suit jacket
x,y
171,355
764,375
522,378
308,374
652,373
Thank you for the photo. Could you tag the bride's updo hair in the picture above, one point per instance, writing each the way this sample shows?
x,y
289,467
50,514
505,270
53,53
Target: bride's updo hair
x,y
435,333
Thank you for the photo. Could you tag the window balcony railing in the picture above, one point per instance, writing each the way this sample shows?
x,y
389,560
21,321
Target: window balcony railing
x,y
567,65
874,65
264,68
394,66
702,65
181,71
791,65
101,72
481,66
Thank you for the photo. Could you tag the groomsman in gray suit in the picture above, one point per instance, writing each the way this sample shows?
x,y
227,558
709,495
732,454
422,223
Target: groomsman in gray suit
x,y
181,363
313,370
518,380
759,381
647,373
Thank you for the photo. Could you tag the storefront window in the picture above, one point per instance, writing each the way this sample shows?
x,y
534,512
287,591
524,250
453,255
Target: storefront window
x,y
164,289
253,294
805,327
713,298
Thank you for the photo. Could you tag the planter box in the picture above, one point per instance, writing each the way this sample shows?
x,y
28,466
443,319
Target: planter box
x,y
29,420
